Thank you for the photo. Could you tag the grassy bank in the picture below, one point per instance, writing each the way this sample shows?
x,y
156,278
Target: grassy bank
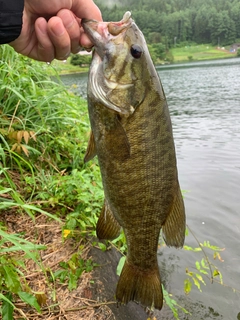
x,y
64,67
183,54
200,52
49,198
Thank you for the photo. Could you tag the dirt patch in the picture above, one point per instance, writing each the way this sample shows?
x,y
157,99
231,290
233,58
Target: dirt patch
x,y
93,298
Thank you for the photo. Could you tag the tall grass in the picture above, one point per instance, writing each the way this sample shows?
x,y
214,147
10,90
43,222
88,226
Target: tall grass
x,y
43,135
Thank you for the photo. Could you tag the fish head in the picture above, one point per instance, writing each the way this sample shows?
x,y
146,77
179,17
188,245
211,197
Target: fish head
x,y
120,65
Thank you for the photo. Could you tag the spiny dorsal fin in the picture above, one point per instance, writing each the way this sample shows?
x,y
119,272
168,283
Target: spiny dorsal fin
x,y
91,149
174,227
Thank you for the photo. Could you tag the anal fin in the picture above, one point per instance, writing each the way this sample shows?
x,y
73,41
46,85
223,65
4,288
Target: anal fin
x,y
175,224
107,226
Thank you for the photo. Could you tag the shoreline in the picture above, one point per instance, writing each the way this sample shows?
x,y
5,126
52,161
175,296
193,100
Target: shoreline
x,y
65,68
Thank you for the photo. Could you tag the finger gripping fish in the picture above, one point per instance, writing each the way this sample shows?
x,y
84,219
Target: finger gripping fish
x,y
132,137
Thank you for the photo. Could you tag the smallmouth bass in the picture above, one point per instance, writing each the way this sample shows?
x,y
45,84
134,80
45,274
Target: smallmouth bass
x,y
132,137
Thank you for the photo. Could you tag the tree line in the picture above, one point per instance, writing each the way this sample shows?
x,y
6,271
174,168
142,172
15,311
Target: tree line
x,y
175,22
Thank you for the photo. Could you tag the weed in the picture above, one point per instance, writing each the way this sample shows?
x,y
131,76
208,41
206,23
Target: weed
x,y
71,270
42,145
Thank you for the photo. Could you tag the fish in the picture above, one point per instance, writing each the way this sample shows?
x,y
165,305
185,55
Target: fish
x,y
131,134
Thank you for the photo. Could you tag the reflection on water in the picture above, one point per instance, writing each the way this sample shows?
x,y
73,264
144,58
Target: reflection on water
x,y
204,102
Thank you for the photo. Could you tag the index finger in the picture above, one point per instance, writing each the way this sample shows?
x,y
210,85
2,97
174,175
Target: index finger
x,y
86,9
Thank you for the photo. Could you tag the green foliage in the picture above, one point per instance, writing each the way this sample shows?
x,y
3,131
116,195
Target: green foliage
x,y
30,299
42,144
204,267
120,265
173,305
11,265
7,306
72,270
81,60
33,105
238,52
157,52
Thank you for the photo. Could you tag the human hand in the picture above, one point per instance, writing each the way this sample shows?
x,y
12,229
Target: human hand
x,y
52,28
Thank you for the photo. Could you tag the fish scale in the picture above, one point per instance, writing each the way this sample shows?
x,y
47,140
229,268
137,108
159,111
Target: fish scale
x,y
132,137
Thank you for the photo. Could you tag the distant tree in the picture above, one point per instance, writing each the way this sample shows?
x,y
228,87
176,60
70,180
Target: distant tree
x,y
197,21
154,37
80,60
235,15
223,29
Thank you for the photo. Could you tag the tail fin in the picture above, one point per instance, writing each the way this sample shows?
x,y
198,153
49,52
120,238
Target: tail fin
x,y
143,286
107,226
174,227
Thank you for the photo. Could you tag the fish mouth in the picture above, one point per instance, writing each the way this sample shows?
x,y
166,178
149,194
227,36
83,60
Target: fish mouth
x,y
99,32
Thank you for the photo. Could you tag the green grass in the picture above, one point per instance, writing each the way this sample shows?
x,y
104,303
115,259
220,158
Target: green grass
x,y
43,137
200,52
64,67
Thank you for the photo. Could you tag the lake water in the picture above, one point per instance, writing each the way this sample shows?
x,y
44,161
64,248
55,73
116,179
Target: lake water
x,y
204,102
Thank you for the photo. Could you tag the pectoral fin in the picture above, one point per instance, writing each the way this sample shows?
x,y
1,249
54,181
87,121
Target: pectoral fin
x,y
175,224
91,149
107,226
118,140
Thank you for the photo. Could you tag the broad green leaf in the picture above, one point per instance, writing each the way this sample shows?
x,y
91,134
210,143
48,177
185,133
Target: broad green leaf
x,y
198,265
197,284
7,307
120,265
102,246
11,278
72,282
187,286
6,190
204,264
200,278
30,299
192,249
203,271
215,273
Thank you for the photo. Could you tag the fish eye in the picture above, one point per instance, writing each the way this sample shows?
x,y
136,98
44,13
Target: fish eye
x,y
136,51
